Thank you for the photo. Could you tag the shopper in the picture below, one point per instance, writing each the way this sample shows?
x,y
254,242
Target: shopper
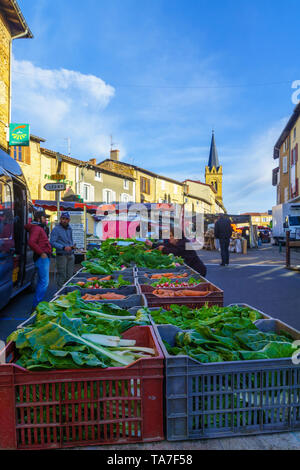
x,y
39,243
178,246
223,232
61,239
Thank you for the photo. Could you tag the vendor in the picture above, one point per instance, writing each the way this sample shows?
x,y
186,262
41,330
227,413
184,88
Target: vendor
x,y
178,246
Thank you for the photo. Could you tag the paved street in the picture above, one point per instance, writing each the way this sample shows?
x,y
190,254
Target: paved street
x,y
260,280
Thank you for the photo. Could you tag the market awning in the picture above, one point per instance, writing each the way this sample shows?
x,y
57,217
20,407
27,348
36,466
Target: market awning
x,y
66,206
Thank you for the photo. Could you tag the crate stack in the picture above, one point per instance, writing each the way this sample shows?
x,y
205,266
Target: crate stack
x,y
224,399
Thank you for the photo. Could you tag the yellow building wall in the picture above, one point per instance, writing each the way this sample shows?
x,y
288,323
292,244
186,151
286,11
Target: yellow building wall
x,y
168,191
293,144
5,39
204,192
148,197
284,177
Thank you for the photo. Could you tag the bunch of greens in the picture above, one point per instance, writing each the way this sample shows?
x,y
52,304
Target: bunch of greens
x,y
99,284
231,342
113,257
167,282
69,333
186,318
218,334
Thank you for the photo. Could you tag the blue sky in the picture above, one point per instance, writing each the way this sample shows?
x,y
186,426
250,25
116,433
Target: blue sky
x,y
158,75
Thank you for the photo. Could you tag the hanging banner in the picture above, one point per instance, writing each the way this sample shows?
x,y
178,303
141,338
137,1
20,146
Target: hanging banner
x,y
19,134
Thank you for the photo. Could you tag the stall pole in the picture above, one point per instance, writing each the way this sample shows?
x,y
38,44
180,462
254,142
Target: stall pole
x,y
84,228
288,250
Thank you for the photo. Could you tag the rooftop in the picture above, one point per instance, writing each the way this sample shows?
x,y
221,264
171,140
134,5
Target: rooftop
x,y
14,17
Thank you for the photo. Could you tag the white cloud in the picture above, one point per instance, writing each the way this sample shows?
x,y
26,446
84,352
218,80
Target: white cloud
x,y
63,103
248,186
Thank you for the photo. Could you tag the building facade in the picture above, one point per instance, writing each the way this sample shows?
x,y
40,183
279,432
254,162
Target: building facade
x,y
261,219
96,184
286,175
12,26
83,178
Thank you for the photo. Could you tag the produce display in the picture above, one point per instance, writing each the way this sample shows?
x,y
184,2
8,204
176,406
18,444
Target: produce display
x,y
69,333
168,276
179,293
220,334
106,296
164,282
114,256
101,283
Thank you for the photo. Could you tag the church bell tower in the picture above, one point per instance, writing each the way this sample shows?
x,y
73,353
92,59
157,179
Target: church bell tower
x,y
214,171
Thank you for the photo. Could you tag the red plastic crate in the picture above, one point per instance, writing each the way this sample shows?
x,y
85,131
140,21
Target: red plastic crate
x,y
79,407
214,297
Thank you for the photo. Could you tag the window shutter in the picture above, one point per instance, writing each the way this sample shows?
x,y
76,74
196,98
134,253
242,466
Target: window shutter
x,y
296,153
26,155
292,157
296,190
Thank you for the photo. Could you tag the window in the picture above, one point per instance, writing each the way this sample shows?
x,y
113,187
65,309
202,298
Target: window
x,y
145,185
98,175
286,194
163,184
86,192
294,133
20,154
6,216
108,195
126,184
284,164
125,197
175,188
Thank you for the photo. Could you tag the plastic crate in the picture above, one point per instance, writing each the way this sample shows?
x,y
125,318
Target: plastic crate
x,y
124,272
214,297
146,280
78,278
178,269
123,290
64,408
230,398
130,301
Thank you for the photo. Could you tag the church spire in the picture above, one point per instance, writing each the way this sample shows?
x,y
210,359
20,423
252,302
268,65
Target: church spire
x,y
213,154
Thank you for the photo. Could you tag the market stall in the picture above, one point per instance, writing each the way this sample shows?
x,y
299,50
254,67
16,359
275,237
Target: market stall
x,y
89,367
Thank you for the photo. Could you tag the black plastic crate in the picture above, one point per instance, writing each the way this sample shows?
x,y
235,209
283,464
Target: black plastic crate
x,y
123,290
229,399
125,272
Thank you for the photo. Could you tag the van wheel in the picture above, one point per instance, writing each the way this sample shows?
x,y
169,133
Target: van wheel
x,y
33,284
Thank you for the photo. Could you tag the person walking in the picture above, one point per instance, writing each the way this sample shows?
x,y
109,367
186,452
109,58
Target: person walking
x,y
223,232
61,239
39,243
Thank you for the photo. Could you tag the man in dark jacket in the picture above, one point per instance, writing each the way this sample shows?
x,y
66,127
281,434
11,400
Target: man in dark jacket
x,y
223,232
61,239
39,243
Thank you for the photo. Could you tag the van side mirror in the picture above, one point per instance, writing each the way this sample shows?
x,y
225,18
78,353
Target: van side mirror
x,y
285,225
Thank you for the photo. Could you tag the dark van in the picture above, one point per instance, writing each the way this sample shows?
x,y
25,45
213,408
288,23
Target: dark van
x,y
17,270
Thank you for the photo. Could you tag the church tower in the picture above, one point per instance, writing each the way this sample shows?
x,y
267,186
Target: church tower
x,y
214,171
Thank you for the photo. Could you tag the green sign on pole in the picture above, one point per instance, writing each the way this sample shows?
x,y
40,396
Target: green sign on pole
x,y
19,134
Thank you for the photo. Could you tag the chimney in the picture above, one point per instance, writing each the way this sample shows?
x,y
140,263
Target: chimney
x,y
114,155
93,161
